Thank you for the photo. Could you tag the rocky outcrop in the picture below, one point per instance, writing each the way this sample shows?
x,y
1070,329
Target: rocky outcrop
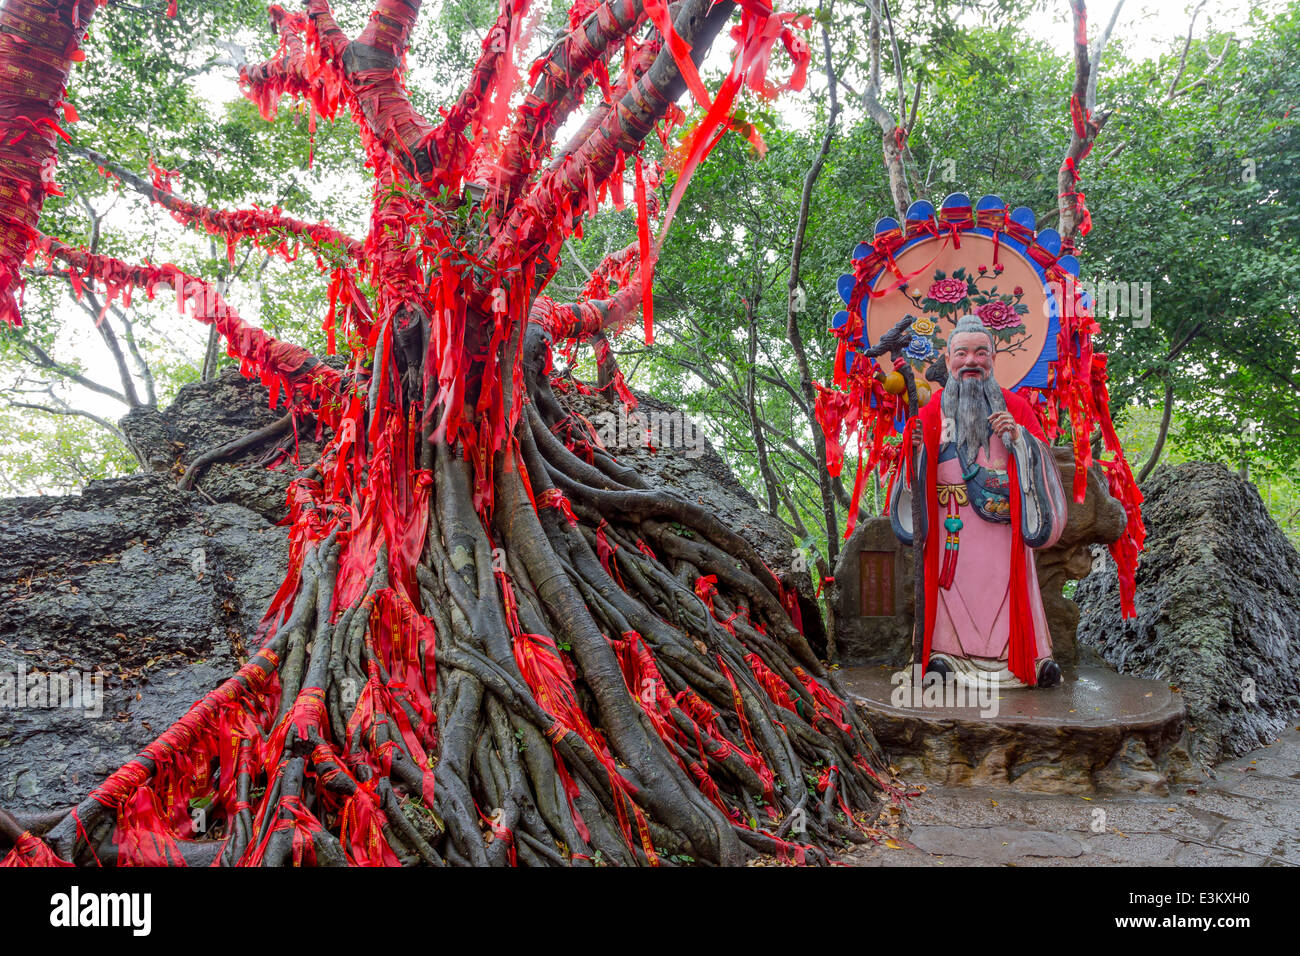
x,y
133,587
148,594
1218,609
207,415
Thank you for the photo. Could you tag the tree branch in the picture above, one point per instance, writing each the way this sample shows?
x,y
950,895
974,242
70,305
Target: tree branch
x,y
891,140
1173,351
792,331
1187,45
64,409
1161,435
146,373
233,224
290,365
372,67
1210,70
242,443
1083,132
631,73
35,75
1099,48
98,316
563,74
556,197
42,358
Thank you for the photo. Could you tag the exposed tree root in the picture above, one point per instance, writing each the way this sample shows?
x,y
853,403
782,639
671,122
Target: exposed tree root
x,y
234,447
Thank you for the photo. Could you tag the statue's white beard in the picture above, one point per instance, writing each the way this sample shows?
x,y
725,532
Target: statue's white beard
x,y
969,400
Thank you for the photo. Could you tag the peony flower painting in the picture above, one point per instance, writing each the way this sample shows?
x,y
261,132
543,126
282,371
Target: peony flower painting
x,y
948,297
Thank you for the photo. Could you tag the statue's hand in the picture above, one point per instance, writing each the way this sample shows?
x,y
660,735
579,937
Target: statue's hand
x,y
1004,425
916,439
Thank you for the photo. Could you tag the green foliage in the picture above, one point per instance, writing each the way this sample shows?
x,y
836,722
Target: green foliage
x,y
60,456
1205,203
161,90
1278,483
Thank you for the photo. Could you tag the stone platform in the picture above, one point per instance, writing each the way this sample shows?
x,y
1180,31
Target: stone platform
x,y
1097,732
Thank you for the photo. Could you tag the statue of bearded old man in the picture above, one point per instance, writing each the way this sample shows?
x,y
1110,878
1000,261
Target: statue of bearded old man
x,y
992,494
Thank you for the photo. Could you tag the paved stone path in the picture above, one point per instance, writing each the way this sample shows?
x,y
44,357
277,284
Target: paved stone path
x,y
1246,814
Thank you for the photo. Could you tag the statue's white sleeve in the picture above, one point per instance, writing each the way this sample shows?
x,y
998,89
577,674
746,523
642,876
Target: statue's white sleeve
x,y
1043,506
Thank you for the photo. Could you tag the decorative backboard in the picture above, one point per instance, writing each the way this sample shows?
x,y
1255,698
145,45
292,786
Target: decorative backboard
x,y
942,264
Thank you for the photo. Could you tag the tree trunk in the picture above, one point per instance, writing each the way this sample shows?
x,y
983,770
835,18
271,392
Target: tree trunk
x,y
1159,445
751,405
792,331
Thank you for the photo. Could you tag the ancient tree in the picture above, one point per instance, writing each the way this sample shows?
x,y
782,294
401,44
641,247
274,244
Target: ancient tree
x,y
494,644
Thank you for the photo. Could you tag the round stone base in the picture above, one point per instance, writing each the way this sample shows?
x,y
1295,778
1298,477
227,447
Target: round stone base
x,y
1096,732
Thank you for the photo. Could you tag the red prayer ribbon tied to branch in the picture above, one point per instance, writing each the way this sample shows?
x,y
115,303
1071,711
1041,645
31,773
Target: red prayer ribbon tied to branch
x,y
1085,129
1078,378
758,31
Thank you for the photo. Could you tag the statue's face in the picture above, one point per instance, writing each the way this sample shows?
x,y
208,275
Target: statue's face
x,y
970,355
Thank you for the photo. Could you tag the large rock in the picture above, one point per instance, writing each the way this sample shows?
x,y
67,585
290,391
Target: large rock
x,y
152,591
209,414
1218,609
134,584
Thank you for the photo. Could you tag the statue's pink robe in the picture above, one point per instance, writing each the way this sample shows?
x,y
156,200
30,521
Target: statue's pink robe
x,y
973,617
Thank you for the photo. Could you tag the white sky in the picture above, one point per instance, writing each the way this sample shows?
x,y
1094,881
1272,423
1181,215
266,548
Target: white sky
x,y
1146,28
